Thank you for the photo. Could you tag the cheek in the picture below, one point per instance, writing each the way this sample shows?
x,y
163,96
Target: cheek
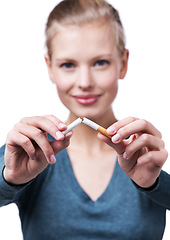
x,y
62,86
112,90
110,87
109,83
62,83
109,79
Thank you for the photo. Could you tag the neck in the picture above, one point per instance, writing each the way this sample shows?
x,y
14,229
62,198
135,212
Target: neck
x,y
85,137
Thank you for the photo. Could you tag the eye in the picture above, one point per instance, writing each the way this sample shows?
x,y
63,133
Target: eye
x,y
67,65
101,63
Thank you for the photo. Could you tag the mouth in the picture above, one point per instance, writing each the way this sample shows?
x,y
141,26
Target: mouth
x,y
86,99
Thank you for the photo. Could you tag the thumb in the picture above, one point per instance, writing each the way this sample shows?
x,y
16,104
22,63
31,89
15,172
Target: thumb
x,y
118,147
62,144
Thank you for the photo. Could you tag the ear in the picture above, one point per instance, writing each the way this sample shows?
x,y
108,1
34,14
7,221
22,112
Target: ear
x,y
124,64
49,65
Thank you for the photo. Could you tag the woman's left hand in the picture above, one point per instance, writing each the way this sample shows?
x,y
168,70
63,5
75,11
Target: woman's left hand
x,y
140,148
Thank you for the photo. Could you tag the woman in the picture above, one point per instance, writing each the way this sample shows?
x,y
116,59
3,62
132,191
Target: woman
x,y
99,188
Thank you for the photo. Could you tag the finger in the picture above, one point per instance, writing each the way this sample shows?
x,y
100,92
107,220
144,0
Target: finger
x,y
61,126
60,145
157,158
119,148
69,135
15,138
45,124
144,140
119,124
134,127
38,137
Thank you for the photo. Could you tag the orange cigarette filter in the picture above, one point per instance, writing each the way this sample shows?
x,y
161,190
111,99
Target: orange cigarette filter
x,y
95,126
103,131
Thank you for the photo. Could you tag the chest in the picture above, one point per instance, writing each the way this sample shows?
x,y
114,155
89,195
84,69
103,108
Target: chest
x,y
93,172
56,208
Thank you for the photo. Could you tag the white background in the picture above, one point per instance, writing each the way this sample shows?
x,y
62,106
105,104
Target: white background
x,y
25,89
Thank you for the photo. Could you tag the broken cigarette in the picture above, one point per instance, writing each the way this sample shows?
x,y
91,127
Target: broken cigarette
x,y
72,125
95,126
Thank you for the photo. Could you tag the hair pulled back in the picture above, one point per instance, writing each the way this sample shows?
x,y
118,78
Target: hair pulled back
x,y
79,12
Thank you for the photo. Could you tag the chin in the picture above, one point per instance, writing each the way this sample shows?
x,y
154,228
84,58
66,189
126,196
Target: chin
x,y
94,112
91,114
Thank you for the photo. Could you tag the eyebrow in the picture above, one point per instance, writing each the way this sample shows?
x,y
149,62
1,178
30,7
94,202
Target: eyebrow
x,y
73,59
58,60
102,56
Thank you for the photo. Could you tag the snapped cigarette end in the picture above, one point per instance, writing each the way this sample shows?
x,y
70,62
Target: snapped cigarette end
x,y
95,126
72,125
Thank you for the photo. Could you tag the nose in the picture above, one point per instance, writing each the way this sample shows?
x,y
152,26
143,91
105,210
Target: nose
x,y
85,78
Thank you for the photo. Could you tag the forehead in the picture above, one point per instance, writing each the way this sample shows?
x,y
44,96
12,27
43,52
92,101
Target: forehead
x,y
87,38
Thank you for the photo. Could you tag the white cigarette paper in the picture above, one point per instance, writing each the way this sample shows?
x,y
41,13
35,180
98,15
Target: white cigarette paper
x,y
72,125
90,123
96,127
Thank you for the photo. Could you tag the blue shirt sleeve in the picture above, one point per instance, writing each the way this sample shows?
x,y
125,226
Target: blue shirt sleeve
x,y
160,193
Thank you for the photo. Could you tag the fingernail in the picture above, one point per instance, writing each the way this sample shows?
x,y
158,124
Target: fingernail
x,y
59,135
52,159
62,125
124,155
116,138
111,130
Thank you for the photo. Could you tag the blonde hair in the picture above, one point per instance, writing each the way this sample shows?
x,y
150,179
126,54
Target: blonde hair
x,y
79,12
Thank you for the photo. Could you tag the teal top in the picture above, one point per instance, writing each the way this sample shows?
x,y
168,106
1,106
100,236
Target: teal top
x,y
54,206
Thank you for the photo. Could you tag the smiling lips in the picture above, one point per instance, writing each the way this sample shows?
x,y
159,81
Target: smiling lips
x,y
86,100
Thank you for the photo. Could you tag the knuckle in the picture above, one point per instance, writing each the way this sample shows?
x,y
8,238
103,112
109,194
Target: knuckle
x,y
160,134
163,157
50,116
30,120
123,132
38,134
53,119
26,142
150,156
128,150
17,125
24,120
143,123
166,154
38,118
11,136
10,133
32,151
162,143
132,119
145,138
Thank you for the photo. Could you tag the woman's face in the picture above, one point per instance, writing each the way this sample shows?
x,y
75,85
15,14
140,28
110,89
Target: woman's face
x,y
85,66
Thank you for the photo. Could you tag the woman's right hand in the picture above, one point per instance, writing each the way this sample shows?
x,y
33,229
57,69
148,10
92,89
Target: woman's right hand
x,y
28,150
